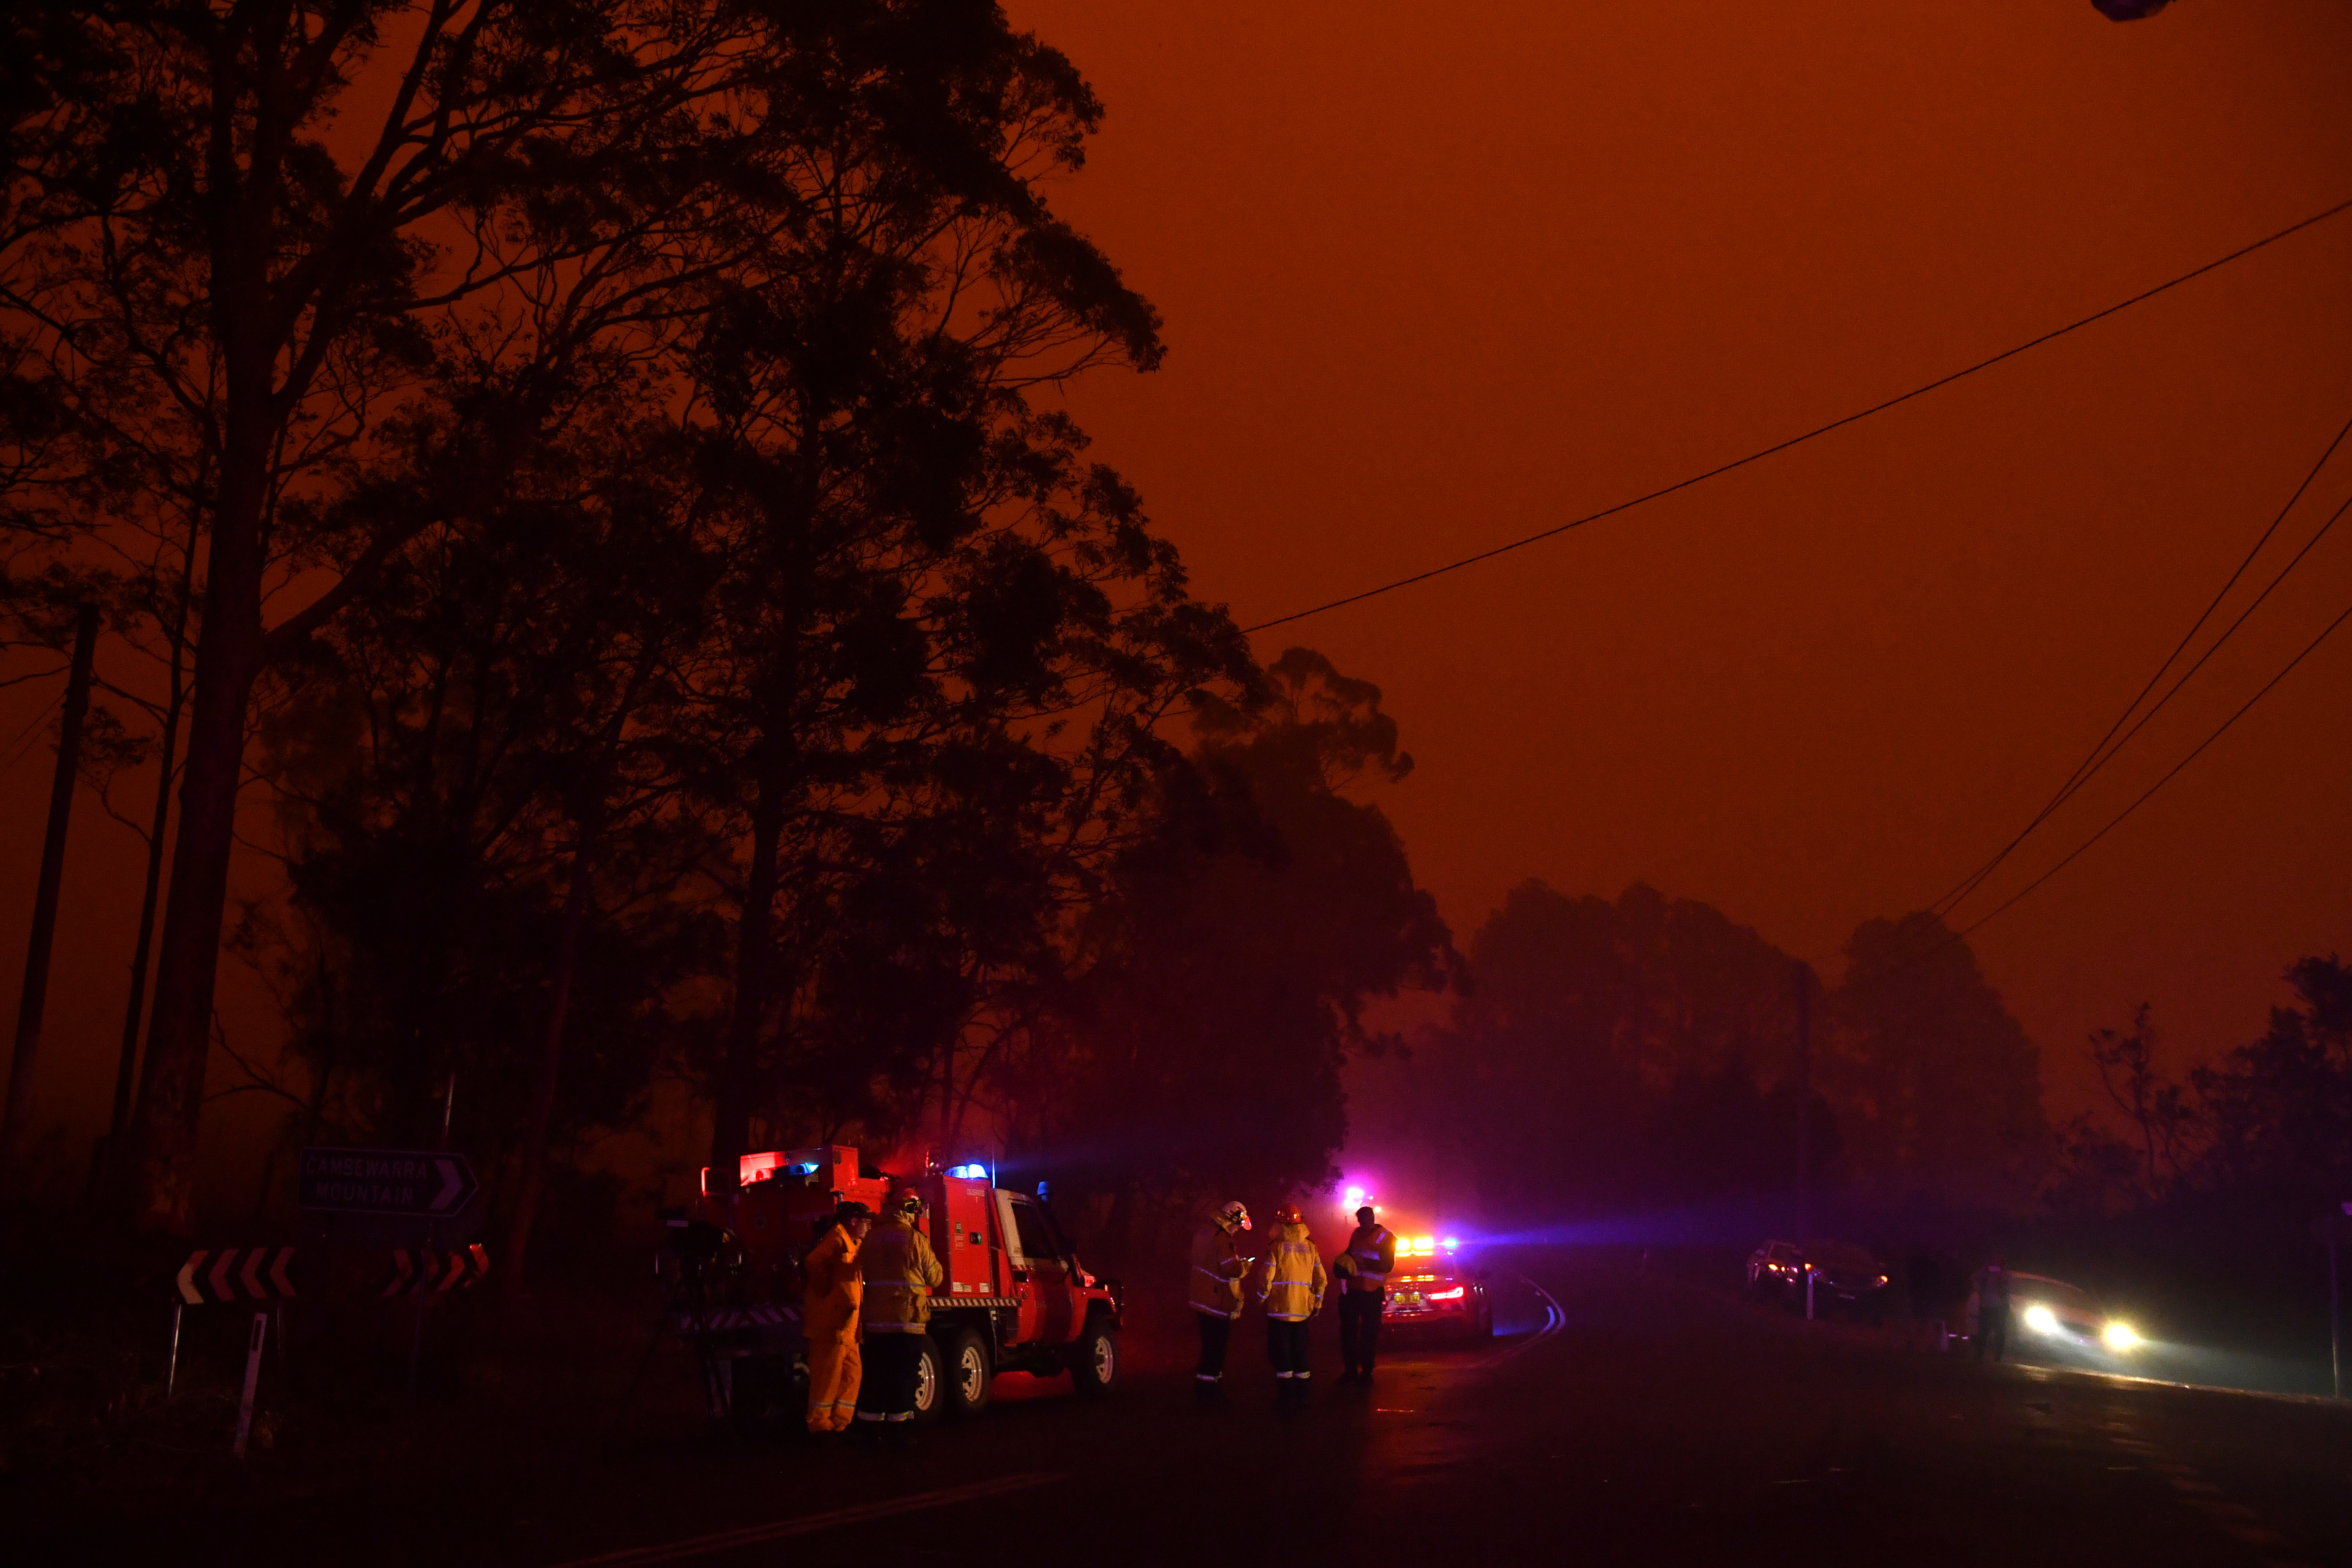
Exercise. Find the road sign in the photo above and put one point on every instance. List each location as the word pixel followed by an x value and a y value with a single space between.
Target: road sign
pixel 424 1184
pixel 429 1270
pixel 236 1274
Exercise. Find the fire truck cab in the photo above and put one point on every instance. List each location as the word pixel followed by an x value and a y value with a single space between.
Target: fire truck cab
pixel 1014 1297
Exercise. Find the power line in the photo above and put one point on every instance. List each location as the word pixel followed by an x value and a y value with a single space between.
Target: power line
pixel 2116 821
pixel 1810 435
pixel 2101 753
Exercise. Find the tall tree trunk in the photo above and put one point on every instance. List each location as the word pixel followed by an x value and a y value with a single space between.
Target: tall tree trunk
pixel 730 1130
pixel 531 1177
pixel 17 1121
pixel 158 1187
pixel 150 897
pixel 531 1180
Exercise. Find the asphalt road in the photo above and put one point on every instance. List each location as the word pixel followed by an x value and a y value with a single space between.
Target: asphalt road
pixel 1614 1419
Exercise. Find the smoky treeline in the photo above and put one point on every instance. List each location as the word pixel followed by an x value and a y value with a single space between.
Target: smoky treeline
pixel 584 488
pixel 2243 1150
pixel 1641 1055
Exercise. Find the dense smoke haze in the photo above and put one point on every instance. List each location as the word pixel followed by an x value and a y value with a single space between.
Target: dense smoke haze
pixel 748 566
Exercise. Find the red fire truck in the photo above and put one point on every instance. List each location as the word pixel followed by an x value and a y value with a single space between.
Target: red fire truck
pixel 1014 1299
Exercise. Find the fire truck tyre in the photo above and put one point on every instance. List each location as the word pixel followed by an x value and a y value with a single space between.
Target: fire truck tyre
pixel 1094 1361
pixel 967 1371
pixel 930 1380
pixel 757 1387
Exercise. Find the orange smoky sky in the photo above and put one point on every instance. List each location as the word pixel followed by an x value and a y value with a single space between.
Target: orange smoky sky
pixel 1436 277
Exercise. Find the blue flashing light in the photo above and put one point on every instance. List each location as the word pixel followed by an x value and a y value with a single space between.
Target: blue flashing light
pixel 1452 1243
pixel 969 1172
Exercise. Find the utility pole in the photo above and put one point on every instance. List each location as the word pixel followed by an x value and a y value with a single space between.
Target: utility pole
pixel 1804 1101
pixel 2334 1224
pixel 1804 977
pixel 35 993
pixel 2335 1318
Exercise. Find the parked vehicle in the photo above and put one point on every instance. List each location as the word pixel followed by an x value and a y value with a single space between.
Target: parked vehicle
pixel 1015 1298
pixel 1846 1280
pixel 1438 1292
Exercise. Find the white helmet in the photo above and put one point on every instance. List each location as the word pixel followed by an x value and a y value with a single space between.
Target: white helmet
pixel 1234 1216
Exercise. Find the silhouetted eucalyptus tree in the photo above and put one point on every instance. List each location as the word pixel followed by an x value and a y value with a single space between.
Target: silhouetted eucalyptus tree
pixel 1224 977
pixel 365 257
pixel 945 638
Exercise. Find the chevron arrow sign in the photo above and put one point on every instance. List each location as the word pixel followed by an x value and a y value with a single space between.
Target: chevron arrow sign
pixel 429 1270
pixel 236 1274
pixel 427 1183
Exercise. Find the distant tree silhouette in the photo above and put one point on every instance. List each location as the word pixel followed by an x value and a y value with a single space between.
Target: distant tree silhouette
pixel 2274 1116
pixel 1937 1087
pixel 1223 980
pixel 1633 1053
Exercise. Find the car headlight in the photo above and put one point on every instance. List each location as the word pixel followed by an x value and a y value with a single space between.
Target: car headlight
pixel 2120 1336
pixel 2041 1320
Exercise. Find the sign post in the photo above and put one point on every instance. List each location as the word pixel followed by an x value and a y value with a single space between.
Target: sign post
pixel 2334 1308
pixel 2328 1231
pixel 252 1377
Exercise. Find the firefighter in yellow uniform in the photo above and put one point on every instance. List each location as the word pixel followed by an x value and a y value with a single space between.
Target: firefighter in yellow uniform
pixel 829 1319
pixel 900 1272
pixel 1218 1267
pixel 1293 1295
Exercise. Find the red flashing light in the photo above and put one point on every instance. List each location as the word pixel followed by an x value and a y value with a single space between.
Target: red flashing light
pixel 1452 1294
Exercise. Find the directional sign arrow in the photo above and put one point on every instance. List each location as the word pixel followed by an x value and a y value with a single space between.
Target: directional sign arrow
pixel 457 1183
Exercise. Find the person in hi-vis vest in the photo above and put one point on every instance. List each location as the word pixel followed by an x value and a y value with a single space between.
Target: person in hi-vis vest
pixel 1363 1271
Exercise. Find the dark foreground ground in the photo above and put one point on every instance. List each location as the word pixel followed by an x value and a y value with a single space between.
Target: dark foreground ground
pixel 1614 1420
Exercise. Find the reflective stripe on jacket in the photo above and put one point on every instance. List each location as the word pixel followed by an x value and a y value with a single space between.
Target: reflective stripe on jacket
pixel 1374 1250
pixel 1217 1270
pixel 1294 1276
pixel 901 1271
pixel 829 1301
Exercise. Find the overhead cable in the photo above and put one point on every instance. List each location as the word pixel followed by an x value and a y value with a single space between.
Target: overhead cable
pixel 2116 821
pixel 1778 446
pixel 2102 752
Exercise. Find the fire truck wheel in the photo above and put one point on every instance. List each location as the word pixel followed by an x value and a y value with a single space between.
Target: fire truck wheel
pixel 1094 1361
pixel 968 1371
pixel 930 1379
pixel 757 1387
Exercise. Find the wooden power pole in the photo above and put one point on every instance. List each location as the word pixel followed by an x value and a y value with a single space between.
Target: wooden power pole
pixel 1804 1101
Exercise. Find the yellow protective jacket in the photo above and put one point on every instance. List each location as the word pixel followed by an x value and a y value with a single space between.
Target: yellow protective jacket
pixel 1374 1250
pixel 1344 1276
pixel 1217 1270
pixel 901 1271
pixel 829 1301
pixel 1294 1276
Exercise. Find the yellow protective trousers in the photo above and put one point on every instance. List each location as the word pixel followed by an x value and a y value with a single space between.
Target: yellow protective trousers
pixel 835 1368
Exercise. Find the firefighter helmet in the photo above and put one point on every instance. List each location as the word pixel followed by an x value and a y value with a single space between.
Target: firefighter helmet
pixel 908 1204
pixel 1288 1215
pixel 1234 1216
